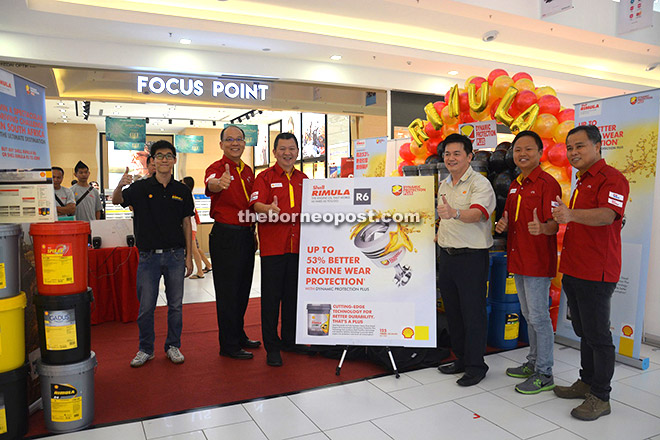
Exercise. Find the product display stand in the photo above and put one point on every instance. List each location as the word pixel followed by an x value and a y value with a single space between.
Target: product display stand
pixel 389 353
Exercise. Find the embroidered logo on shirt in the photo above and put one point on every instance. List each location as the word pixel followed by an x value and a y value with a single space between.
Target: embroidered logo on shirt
pixel 177 198
pixel 276 185
pixel 615 203
pixel 554 204
pixel 513 190
pixel 151 196
pixel 254 196
pixel 616 196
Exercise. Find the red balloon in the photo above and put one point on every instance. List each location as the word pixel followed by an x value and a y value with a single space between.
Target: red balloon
pixel 523 100
pixel 496 74
pixel 557 155
pixel 549 104
pixel 477 80
pixel 431 131
pixel 439 105
pixel 466 117
pixel 547 144
pixel 405 153
pixel 568 114
pixel 514 112
pixel 521 75
pixel 447 96
pixel 494 106
pixel 432 146
pixel 463 102
pixel 405 163
pixel 569 172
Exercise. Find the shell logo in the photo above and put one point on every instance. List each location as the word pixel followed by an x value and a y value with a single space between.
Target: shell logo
pixel 397 190
pixel 407 332
pixel 633 100
pixel 627 330
pixel 151 196
pixel 42 174
pixel 468 130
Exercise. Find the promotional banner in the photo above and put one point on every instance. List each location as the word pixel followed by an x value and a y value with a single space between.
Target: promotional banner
pixel 189 143
pixel 126 133
pixel 629 127
pixel 367 263
pixel 482 134
pixel 370 157
pixel 552 7
pixel 26 189
pixel 251 133
pixel 633 15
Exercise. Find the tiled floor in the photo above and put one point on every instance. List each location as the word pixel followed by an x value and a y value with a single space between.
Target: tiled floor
pixel 423 404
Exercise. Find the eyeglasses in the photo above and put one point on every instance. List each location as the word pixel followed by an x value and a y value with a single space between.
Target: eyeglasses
pixel 168 156
pixel 232 140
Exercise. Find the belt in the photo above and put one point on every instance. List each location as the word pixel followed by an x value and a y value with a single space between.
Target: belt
pixel 235 227
pixel 162 251
pixel 459 251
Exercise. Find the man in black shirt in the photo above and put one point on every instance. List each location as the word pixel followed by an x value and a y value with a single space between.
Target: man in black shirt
pixel 162 208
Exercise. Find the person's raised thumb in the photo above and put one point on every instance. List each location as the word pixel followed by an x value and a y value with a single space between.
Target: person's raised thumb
pixel 227 168
pixel 444 200
pixel 561 203
pixel 536 217
pixel 505 216
pixel 275 200
pixel 126 172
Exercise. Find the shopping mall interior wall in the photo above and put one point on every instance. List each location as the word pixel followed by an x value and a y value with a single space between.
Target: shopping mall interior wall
pixel 70 143
pixel 406 107
pixel 368 126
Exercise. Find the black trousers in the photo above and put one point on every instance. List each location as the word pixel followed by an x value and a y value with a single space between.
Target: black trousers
pixel 232 255
pixel 279 285
pixel 462 282
pixel 589 304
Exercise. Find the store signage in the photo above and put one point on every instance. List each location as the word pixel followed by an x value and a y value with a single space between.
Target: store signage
pixel 244 90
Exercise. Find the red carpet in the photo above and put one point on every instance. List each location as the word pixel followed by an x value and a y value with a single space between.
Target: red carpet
pixel 205 379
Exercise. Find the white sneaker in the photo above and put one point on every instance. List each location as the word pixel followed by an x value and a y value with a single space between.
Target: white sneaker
pixel 141 358
pixel 174 354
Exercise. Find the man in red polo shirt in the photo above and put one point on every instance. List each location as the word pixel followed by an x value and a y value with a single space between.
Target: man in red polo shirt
pixel 277 193
pixel 231 242
pixel 591 264
pixel 532 257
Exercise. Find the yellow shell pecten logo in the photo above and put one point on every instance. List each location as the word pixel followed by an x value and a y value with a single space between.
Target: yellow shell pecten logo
pixel 627 330
pixel 468 130
pixel 633 100
pixel 397 190
pixel 408 332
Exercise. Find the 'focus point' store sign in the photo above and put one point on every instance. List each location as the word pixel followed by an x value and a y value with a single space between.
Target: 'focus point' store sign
pixel 234 90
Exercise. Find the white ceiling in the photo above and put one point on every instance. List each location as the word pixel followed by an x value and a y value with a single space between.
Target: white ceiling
pixel 387 44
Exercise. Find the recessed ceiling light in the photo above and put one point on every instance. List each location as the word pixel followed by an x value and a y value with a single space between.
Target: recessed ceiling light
pixel 162 129
pixel 117 106
pixel 266 49
pixel 453 72
pixel 185 41
pixel 335 57
pixel 489 36
pixel 65 120
pixel 63 110
pixel 652 66
pixel 60 103
pixel 115 113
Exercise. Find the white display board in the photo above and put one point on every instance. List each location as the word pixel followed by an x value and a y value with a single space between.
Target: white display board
pixel 366 276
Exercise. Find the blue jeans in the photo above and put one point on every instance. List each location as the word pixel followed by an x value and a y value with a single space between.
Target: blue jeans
pixel 533 293
pixel 170 264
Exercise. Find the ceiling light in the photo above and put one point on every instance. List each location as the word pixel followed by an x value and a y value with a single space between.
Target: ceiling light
pixel 63 110
pixel 191 122
pixel 162 129
pixel 60 103
pixel 115 113
pixel 453 72
pixel 239 120
pixel 335 57
pixel 117 106
pixel 489 36
pixel 214 123
pixel 170 121
pixel 652 66
pixel 185 41
pixel 146 120
pixel 66 120
pixel 266 49
pixel 261 111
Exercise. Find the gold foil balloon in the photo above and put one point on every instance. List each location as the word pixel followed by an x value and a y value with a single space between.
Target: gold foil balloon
pixel 433 116
pixel 500 86
pixel 502 113
pixel 545 125
pixel 454 103
pixel 478 103
pixel 525 120
pixel 416 129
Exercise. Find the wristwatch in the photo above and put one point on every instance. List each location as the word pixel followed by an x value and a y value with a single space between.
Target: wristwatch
pixel 458 214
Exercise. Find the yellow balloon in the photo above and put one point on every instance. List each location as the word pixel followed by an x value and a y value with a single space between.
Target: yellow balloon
pixel 525 120
pixel 545 125
pixel 545 90
pixel 500 86
pixel 502 113
pixel 446 118
pixel 433 116
pixel 562 129
pixel 478 104
pixel 482 116
pixel 556 172
pixel 525 84
pixel 453 104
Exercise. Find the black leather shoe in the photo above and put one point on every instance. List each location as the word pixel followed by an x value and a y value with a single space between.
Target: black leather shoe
pixel 249 343
pixel 274 359
pixel 452 368
pixel 468 380
pixel 240 354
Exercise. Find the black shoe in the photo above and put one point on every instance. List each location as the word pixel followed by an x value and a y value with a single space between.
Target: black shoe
pixel 249 343
pixel 452 368
pixel 274 359
pixel 240 354
pixel 468 380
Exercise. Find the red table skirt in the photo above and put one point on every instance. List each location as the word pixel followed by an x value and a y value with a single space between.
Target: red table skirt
pixel 112 277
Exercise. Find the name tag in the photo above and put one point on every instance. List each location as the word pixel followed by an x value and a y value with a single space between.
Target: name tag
pixel 513 190
pixel 554 204
pixel 209 178
pixel 254 196
pixel 276 185
pixel 615 202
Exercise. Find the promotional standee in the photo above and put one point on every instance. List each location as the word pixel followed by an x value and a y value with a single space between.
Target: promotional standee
pixel 367 263
pixel 629 126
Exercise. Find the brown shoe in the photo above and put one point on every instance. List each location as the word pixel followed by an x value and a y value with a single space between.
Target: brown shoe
pixel 578 390
pixel 591 408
